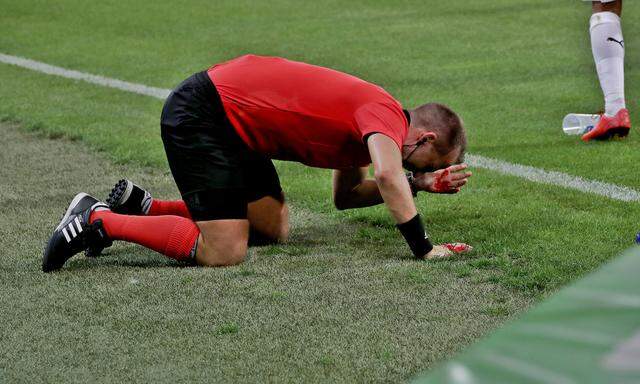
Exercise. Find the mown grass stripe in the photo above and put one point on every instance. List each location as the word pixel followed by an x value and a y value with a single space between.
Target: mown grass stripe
pixel 526 172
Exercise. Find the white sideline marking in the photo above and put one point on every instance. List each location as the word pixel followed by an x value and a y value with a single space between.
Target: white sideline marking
pixel 89 78
pixel 537 175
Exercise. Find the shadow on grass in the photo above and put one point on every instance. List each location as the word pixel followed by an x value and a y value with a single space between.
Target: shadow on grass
pixel 130 256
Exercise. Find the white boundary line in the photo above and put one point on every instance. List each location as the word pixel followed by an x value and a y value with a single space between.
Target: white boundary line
pixel 537 175
pixel 560 179
pixel 140 89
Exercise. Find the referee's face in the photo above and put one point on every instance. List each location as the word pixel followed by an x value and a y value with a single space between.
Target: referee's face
pixel 427 159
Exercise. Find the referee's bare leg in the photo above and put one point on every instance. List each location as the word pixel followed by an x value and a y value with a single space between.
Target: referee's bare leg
pixel 269 220
pixel 222 242
pixel 225 242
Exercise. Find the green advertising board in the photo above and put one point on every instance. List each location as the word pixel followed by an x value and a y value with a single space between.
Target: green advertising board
pixel 589 332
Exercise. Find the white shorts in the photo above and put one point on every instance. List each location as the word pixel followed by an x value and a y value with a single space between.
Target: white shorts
pixel 602 1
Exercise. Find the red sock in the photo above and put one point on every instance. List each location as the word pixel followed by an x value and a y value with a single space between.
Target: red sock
pixel 173 236
pixel 168 207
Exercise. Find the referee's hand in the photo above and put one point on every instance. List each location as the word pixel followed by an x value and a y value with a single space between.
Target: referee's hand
pixel 438 252
pixel 447 180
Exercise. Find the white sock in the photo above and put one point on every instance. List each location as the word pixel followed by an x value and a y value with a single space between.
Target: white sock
pixel 607 46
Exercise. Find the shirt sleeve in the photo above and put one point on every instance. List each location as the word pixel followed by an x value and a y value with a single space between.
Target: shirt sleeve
pixel 384 118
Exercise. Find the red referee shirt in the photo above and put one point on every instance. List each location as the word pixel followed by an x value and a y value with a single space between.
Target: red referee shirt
pixel 289 110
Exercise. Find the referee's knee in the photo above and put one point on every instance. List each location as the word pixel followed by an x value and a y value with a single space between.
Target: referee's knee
pixel 280 231
pixel 221 258
pixel 218 247
pixel 273 235
pixel 282 234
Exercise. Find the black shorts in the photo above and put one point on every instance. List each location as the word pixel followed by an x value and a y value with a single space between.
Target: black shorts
pixel 216 173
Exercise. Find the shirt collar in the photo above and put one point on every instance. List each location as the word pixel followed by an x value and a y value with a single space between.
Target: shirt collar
pixel 407 115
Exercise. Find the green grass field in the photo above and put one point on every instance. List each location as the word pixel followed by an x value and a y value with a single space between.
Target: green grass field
pixel 343 301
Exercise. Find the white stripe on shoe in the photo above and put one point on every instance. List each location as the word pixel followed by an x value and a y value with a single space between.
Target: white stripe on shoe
pixel 146 203
pixel 72 229
pixel 66 235
pixel 78 224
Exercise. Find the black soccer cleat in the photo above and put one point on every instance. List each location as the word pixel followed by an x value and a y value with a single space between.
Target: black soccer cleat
pixel 129 199
pixel 74 234
pixel 93 251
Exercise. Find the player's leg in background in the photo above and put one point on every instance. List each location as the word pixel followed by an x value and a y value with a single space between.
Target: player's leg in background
pixel 607 45
pixel 614 6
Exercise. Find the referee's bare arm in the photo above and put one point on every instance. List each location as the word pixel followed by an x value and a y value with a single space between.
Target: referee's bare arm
pixel 390 177
pixel 353 189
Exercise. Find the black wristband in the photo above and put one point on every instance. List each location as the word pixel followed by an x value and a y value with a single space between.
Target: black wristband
pixel 415 235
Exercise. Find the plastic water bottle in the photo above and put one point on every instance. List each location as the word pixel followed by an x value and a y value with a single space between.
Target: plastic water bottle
pixel 638 238
pixel 579 124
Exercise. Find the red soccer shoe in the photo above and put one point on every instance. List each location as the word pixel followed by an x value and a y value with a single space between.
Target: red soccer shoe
pixel 608 127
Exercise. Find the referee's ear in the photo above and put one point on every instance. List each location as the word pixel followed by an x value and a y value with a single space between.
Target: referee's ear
pixel 429 136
